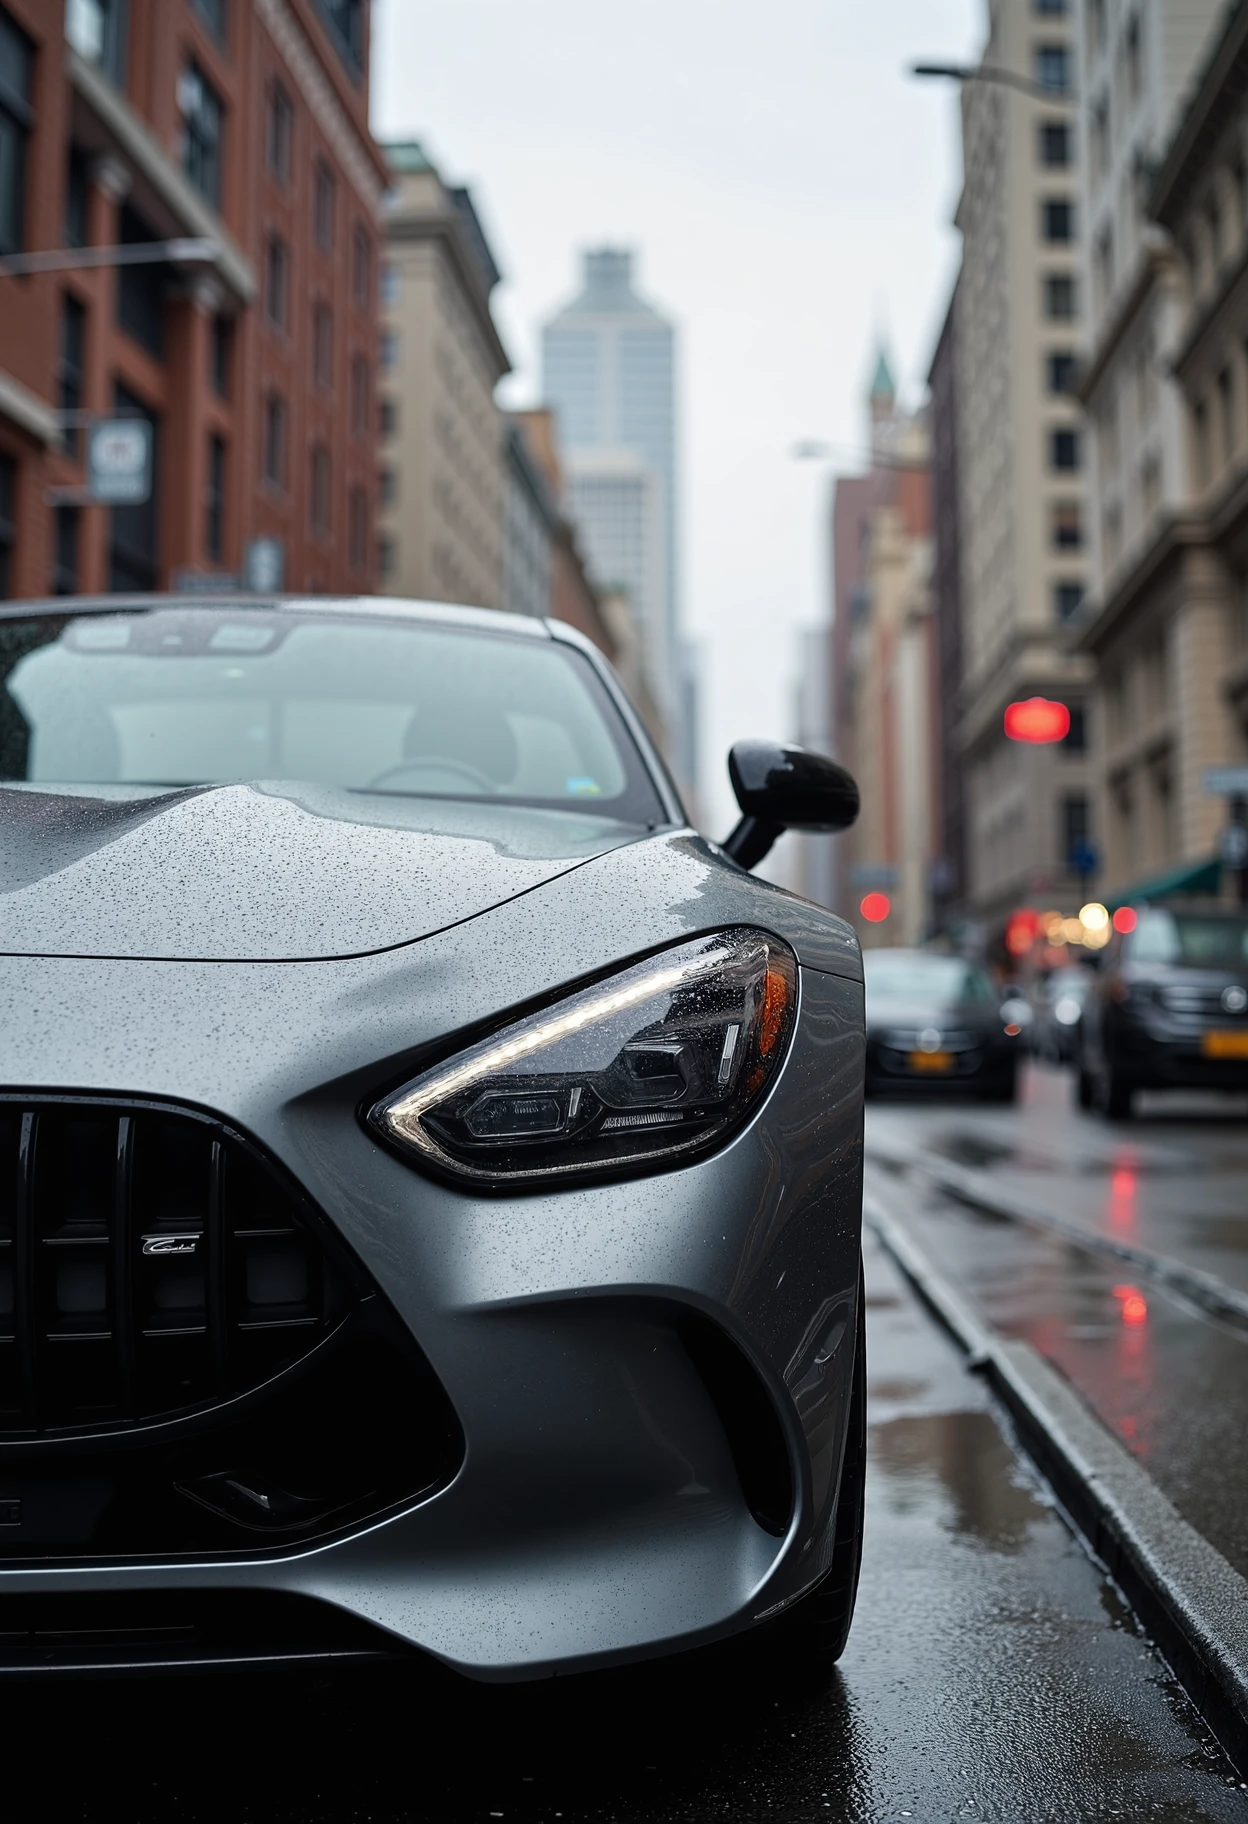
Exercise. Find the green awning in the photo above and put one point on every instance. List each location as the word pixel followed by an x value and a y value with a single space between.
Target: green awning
pixel 1195 877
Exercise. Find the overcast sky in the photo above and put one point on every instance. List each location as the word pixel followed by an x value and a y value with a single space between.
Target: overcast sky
pixel 789 192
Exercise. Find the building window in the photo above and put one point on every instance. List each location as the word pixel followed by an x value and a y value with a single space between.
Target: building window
pixel 7 489
pixel 1226 414
pixel 1103 264
pixel 1067 600
pixel 274 464
pixel 214 15
pixel 388 483
pixel 1061 370
pixel 141 290
pixel 1075 740
pixel 1067 525
pixel 359 397
pixel 361 267
pixel 357 532
pixel 16 120
pixel 1052 67
pixel 1076 828
pixel 214 501
pixel 1096 25
pixel 319 492
pixel 389 285
pixel 1057 219
pixel 134 531
pixel 389 352
pixel 389 417
pixel 1054 144
pixel 220 351
pixel 97 31
pixel 1200 440
pixel 69 370
pixel 1064 450
pixel 1059 297
pixel 65 551
pixel 279 132
pixel 344 20
pixel 1052 9
pixel 77 189
pixel 202 120
pixel 277 282
pixel 322 345
pixel 1133 55
pixel 324 206
pixel 387 557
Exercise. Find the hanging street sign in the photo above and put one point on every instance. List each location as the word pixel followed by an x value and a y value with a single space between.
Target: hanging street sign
pixel 119 462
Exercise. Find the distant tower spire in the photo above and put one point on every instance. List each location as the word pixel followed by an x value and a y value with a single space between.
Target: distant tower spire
pixel 883 394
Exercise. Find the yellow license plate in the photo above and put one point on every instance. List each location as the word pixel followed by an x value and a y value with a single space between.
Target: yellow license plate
pixel 931 1060
pixel 1225 1044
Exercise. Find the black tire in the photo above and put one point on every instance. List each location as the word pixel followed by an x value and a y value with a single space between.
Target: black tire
pixel 1117 1092
pixel 817 1626
pixel 1085 1089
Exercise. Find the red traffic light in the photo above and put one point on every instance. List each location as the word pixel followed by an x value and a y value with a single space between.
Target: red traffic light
pixel 876 907
pixel 1037 721
pixel 1125 920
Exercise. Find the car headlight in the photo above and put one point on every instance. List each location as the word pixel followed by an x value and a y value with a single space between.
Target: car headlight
pixel 656 1063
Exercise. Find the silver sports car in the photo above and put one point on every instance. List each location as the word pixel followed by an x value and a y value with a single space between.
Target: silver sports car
pixel 430 1172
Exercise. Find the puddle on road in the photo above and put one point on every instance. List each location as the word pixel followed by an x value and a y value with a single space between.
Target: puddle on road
pixel 961 1462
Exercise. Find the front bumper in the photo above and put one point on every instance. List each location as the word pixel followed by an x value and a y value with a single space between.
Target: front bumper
pixel 602 1506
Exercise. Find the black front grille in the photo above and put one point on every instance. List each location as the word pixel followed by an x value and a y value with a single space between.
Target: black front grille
pixel 190 1358
pixel 150 1262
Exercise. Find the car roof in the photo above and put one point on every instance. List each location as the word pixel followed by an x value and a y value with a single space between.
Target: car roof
pixel 445 614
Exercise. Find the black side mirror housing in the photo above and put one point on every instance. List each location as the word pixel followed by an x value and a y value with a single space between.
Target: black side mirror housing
pixel 785 788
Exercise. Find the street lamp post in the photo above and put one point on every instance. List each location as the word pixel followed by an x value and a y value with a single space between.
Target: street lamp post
pixel 994 73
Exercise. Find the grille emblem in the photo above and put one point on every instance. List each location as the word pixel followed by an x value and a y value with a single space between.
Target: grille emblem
pixel 1234 999
pixel 171 1244
pixel 10 1513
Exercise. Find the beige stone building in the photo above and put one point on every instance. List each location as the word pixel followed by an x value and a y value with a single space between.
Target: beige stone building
pixel 444 463
pixel 1020 481
pixel 1164 382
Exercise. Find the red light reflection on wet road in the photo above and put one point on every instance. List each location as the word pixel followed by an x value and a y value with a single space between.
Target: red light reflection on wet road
pixel 1124 1183
pixel 1133 1304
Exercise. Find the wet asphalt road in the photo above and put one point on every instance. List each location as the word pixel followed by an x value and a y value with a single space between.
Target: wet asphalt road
pixel 1171 1381
pixel 993 1673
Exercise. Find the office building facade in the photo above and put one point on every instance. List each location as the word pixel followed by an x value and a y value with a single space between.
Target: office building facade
pixel 608 370
pixel 444 456
pixel 1020 454
pixel 1152 621
pixel 242 129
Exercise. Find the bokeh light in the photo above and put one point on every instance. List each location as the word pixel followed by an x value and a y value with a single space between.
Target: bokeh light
pixel 876 907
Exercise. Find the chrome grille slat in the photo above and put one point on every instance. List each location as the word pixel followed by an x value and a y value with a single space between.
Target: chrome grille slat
pixel 108 1332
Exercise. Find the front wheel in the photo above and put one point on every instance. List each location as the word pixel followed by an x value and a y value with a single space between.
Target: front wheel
pixel 1005 1089
pixel 818 1624
pixel 1085 1089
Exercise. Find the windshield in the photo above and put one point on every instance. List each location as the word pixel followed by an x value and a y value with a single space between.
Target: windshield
pixel 943 980
pixel 1209 942
pixel 207 695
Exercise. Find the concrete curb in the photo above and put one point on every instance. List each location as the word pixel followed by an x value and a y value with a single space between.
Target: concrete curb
pixel 1193 1603
pixel 982 1191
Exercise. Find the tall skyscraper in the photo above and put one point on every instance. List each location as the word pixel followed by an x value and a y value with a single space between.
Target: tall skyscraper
pixel 608 361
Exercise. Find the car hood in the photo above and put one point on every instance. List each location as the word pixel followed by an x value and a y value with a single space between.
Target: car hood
pixel 266 872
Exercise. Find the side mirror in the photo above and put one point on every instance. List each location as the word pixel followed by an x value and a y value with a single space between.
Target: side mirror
pixel 785 788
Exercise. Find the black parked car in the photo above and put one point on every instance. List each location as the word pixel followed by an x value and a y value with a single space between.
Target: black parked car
pixel 938 1020
pixel 1170 1010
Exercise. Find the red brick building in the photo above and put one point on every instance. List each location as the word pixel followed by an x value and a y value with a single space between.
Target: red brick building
pixel 242 123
